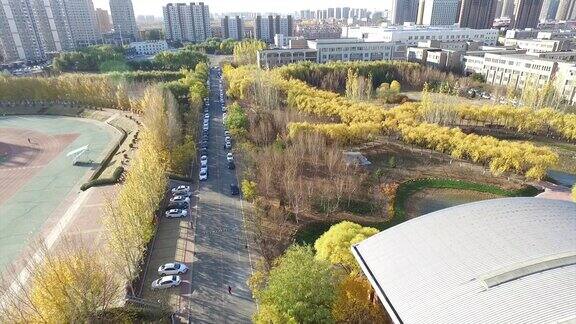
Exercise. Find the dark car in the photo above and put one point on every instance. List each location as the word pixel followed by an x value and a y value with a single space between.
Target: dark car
pixel 231 166
pixel 234 190
pixel 177 205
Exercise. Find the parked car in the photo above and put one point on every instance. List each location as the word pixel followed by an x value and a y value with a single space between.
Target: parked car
pixel 166 282
pixel 234 190
pixel 227 133
pixel 180 189
pixel 176 213
pixel 227 145
pixel 180 198
pixel 203 175
pixel 224 109
pixel 172 268
pixel 229 157
pixel 178 205
pixel 231 166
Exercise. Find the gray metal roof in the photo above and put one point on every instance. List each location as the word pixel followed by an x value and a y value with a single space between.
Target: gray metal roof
pixel 510 260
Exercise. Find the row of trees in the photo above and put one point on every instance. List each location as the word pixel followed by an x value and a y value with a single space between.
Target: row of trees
pixel 215 45
pixel 90 89
pixel 107 58
pixel 245 51
pixel 323 287
pixel 359 121
pixel 332 76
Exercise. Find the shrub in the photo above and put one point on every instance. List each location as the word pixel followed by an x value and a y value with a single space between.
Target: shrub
pixel 104 181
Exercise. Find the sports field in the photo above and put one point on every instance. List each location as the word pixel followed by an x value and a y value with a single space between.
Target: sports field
pixel 36 176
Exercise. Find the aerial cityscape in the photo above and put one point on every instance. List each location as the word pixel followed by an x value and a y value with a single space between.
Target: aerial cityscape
pixel 403 161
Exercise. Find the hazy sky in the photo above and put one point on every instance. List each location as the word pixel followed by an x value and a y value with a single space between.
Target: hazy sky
pixel 154 7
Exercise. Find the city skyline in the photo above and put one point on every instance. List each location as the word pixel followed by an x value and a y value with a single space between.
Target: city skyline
pixel 143 7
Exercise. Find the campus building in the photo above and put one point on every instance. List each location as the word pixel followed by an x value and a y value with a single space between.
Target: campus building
pixel 510 260
pixel 149 47
pixel 411 35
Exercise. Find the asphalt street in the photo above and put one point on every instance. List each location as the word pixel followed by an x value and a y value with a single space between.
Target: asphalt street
pixel 221 258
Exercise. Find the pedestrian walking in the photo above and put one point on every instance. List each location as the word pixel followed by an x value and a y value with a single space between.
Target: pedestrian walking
pixel 230 290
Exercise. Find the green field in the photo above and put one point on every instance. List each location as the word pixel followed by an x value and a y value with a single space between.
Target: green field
pixel 25 212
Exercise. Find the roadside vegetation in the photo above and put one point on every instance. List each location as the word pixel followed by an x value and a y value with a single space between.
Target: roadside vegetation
pixel 298 127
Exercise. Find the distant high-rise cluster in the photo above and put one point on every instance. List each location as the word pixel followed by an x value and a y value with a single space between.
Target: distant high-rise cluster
pixel 187 22
pixel 266 27
pixel 30 29
pixel 233 27
pixel 123 19
pixel 338 13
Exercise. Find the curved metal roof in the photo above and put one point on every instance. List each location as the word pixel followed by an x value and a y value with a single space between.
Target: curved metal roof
pixel 510 260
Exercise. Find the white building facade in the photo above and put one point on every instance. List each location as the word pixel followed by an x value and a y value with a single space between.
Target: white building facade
pixel 123 19
pixel 411 35
pixel 149 47
pixel 351 49
pixel 187 23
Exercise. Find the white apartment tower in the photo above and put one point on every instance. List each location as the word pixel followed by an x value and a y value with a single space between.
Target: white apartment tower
pixel 266 27
pixel 187 23
pixel 19 33
pixel 123 19
pixel 233 27
pixel 440 12
pixel 82 21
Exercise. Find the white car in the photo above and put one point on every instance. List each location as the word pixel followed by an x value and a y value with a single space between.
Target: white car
pixel 224 109
pixel 203 175
pixel 181 189
pixel 166 282
pixel 227 139
pixel 203 160
pixel 229 157
pixel 180 198
pixel 206 116
pixel 227 133
pixel 172 268
pixel 176 213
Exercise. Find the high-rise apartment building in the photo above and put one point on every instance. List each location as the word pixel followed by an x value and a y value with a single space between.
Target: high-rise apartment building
pixel 331 13
pixel 19 32
pixel 440 12
pixel 82 21
pixel 338 13
pixel 566 10
pixel 526 14
pixel 345 12
pixel 549 9
pixel 187 23
pixel 404 11
pixel 123 19
pixel 232 27
pixel 507 8
pixel 477 14
pixel 266 27
pixel 103 19
pixel 53 26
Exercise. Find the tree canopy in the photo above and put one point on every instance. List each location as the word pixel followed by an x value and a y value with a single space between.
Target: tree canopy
pixel 334 245
pixel 300 289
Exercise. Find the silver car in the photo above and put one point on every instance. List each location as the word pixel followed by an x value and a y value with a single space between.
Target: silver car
pixel 166 282
pixel 172 268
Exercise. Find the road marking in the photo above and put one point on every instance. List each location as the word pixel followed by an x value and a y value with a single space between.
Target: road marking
pixel 23 168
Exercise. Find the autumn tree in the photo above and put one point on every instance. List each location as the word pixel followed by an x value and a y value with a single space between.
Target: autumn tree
pixel 574 192
pixel 335 244
pixel 245 51
pixel 299 289
pixel 354 302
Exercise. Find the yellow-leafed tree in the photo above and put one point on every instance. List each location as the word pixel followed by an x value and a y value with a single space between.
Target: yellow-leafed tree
pixel 334 245
pixel 353 303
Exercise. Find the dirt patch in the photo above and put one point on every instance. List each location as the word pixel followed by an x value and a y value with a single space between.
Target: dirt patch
pixel 25 153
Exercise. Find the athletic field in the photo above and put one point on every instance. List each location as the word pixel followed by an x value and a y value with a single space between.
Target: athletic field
pixel 37 179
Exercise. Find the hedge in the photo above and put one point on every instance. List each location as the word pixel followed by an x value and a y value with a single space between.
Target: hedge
pixel 104 181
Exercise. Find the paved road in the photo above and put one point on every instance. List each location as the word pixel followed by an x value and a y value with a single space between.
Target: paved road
pixel 221 257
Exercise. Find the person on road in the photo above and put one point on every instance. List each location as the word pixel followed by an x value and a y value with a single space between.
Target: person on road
pixel 230 290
